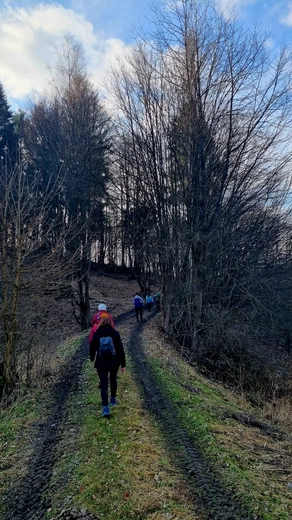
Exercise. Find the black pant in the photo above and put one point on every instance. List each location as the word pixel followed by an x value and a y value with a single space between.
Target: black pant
pixel 139 312
pixel 103 377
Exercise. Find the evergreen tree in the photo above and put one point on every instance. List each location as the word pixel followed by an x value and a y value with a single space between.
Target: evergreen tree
pixel 8 138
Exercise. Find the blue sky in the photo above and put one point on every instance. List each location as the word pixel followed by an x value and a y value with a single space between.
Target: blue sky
pixel 31 30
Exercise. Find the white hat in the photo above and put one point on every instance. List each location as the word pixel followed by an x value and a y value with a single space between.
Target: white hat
pixel 102 307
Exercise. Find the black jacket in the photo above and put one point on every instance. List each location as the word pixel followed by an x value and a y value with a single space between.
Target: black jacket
pixel 114 361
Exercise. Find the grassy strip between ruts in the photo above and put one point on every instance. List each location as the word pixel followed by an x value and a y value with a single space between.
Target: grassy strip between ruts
pixel 117 468
pixel 256 464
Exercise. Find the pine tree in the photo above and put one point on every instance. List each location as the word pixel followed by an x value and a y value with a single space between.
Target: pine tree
pixel 8 138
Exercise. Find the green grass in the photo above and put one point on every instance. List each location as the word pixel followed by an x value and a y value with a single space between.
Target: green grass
pixel 244 458
pixel 16 421
pixel 68 348
pixel 121 470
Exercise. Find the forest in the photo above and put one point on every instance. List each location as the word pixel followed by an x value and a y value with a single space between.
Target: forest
pixel 181 179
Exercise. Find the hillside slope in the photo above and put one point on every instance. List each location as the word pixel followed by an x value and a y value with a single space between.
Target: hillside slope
pixel 177 446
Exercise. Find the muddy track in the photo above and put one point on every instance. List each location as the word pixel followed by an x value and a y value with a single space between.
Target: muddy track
pixel 211 500
pixel 27 498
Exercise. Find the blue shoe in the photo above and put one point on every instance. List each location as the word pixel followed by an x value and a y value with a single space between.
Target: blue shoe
pixel 113 401
pixel 106 411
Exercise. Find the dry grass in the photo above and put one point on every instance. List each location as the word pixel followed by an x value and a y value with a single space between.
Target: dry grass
pixel 279 411
pixel 116 293
pixel 16 444
pixel 257 461
pixel 119 468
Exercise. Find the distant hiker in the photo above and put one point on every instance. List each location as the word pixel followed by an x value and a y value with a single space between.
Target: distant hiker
pixel 98 316
pixel 138 304
pixel 149 302
pixel 158 300
pixel 107 351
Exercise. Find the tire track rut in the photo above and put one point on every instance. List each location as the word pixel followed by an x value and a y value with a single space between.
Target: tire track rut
pixel 27 498
pixel 211 499
pixel 29 501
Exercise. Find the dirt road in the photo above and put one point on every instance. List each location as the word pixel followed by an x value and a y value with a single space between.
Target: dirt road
pixel 27 499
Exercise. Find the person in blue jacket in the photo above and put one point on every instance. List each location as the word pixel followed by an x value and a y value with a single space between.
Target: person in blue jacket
pixel 107 367
pixel 149 302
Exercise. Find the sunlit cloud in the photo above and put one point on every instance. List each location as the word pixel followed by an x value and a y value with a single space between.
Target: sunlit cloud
pixel 29 39
pixel 287 18
pixel 231 8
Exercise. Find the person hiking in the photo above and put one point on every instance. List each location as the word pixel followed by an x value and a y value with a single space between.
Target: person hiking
pixel 138 304
pixel 158 300
pixel 98 316
pixel 149 302
pixel 106 350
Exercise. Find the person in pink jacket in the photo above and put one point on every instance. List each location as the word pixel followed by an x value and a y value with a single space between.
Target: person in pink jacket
pixel 98 316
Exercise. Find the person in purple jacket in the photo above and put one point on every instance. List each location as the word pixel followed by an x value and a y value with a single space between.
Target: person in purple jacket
pixel 138 305
pixel 107 364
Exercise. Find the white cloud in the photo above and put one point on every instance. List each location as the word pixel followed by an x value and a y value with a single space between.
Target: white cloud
pixel 102 57
pixel 287 19
pixel 28 42
pixel 232 7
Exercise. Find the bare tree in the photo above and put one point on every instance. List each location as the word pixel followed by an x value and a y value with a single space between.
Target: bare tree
pixel 27 268
pixel 206 113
